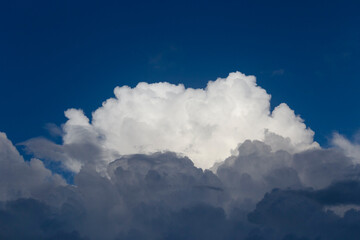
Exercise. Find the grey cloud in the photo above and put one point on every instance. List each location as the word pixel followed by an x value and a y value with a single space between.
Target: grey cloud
pixel 339 193
pixel 164 196
pixel 301 214
pixel 54 130
pixel 71 156
pixel 23 179
pixel 32 219
pixel 319 168
pixel 257 169
pixel 139 192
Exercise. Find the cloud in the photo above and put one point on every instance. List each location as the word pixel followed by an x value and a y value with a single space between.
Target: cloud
pixel 140 171
pixel 203 124
pixel 351 149
pixel 257 169
pixel 23 179
pixel 319 168
pixel 302 214
pixel 32 219
pixel 72 156
pixel 165 196
pixel 278 72
pixel 138 193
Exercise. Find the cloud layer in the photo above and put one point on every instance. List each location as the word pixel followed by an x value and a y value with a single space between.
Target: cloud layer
pixel 164 196
pixel 271 181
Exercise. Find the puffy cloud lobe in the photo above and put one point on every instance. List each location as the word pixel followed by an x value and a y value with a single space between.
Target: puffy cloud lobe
pixel 162 173
pixel 256 169
pixel 203 124
pixel 137 191
pixel 319 168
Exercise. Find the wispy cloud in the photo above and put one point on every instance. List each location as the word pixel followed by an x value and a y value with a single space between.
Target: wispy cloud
pixel 278 72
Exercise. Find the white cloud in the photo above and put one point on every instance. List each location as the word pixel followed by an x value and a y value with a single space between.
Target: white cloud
pixel 351 149
pixel 203 124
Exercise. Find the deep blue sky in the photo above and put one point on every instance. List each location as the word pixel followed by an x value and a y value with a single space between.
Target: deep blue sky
pixel 60 54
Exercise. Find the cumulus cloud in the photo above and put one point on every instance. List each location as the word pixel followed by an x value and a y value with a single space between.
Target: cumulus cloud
pixel 140 171
pixel 165 196
pixel 203 124
pixel 138 193
pixel 257 169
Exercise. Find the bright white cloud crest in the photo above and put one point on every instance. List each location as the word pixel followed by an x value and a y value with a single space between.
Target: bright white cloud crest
pixel 203 124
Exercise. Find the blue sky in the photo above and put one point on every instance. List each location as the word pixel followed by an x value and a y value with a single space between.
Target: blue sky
pixel 56 55
pixel 163 161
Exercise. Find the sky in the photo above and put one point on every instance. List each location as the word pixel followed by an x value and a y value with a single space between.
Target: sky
pixel 179 120
pixel 56 56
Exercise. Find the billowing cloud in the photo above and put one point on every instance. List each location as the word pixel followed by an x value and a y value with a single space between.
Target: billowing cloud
pixel 203 124
pixel 164 196
pixel 270 180
pixel 256 169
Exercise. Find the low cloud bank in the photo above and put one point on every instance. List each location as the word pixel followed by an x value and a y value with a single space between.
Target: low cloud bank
pixel 164 196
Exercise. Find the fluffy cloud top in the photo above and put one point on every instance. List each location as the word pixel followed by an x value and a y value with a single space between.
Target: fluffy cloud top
pixel 272 182
pixel 203 124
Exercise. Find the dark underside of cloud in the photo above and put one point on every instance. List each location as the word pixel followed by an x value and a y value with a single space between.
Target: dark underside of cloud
pixel 257 194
